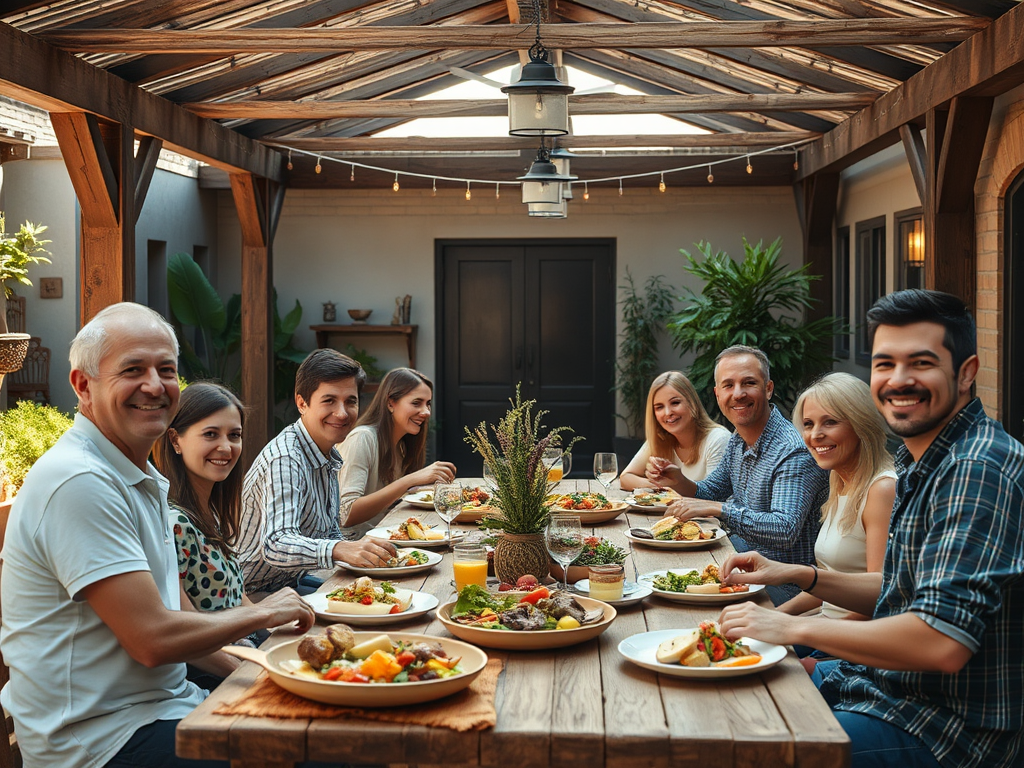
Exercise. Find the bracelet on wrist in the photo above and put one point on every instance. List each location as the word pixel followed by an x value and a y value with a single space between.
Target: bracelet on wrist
pixel 814 581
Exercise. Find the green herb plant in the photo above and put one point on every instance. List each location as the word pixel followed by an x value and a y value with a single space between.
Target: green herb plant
pixel 519 471
pixel 18 252
pixel 27 431
pixel 643 318
pixel 757 302
pixel 599 551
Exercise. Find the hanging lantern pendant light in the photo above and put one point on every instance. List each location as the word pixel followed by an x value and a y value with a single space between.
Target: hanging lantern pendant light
pixel 543 182
pixel 538 103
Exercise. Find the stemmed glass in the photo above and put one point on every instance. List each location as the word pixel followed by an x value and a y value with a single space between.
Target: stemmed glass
pixel 606 468
pixel 489 479
pixel 564 540
pixel 448 503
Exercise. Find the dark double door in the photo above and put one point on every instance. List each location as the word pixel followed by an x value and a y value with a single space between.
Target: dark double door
pixel 539 312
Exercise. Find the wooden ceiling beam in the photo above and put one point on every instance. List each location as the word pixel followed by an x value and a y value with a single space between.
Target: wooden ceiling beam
pixel 990 63
pixel 588 104
pixel 38 74
pixel 724 34
pixel 500 143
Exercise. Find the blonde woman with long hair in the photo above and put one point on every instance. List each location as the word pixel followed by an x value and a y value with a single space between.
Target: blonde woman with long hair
pixel 846 435
pixel 679 432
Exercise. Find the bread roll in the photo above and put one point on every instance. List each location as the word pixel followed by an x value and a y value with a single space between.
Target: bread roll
pixel 672 651
pixel 696 659
pixel 665 524
pixel 704 589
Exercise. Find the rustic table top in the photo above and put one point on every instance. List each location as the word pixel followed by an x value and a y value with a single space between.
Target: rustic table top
pixel 578 707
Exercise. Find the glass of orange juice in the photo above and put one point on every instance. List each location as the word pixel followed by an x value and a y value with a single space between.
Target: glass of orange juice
pixel 469 562
pixel 557 462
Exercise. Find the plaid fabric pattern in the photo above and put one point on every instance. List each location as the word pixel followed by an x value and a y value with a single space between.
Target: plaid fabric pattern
pixel 289 522
pixel 956 560
pixel 772 493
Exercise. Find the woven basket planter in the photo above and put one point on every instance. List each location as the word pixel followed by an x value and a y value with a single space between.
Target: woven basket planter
pixel 13 348
pixel 518 554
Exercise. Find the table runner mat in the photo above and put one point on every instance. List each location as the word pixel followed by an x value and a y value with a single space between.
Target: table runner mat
pixel 469 710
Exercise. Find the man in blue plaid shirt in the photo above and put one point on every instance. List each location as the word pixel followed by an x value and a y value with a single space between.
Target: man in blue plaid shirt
pixel 936 677
pixel 767 490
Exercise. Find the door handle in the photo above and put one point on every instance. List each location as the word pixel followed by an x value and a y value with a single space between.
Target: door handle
pixel 519 358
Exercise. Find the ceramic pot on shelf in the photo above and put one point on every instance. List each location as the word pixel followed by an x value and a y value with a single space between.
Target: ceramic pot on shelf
pixel 517 554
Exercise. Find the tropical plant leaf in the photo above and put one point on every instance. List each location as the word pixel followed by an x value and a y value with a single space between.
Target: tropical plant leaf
pixel 193 300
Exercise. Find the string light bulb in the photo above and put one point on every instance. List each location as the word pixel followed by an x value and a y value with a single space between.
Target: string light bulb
pixel 620 187
pixel 395 185
pixel 433 188
pixel 586 192
pixel 796 160
pixel 469 194
pixel 661 184
pixel 711 176
pixel 318 166
pixel 352 173
pixel 497 191
pixel 290 165
pixel 750 168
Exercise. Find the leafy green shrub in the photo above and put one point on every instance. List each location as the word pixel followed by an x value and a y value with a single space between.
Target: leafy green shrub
pixel 27 431
pixel 746 303
pixel 643 316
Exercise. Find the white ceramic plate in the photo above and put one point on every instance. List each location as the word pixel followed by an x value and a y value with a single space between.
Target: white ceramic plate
pixel 421 603
pixel 433 558
pixel 640 649
pixel 538 640
pixel 632 592
pixel 361 694
pixel 419 499
pixel 694 598
pixel 385 534
pixel 720 534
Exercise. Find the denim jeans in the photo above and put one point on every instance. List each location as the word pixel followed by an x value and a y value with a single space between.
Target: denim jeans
pixel 874 743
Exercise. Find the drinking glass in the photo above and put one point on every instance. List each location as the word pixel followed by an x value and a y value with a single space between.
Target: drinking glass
pixel 564 540
pixel 606 468
pixel 448 503
pixel 558 463
pixel 469 564
pixel 489 479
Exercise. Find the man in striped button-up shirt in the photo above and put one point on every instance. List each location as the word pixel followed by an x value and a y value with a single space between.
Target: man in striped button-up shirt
pixel 290 505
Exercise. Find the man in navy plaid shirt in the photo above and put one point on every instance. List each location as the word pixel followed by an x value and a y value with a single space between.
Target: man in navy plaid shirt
pixel 935 678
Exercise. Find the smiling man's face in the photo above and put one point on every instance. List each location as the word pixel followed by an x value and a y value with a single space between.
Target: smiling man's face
pixel 914 384
pixel 742 392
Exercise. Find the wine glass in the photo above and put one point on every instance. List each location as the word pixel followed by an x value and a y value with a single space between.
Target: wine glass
pixel 489 478
pixel 564 540
pixel 606 468
pixel 448 503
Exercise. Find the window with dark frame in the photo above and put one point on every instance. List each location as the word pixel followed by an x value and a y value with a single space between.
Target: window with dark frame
pixel 870 263
pixel 910 248
pixel 841 285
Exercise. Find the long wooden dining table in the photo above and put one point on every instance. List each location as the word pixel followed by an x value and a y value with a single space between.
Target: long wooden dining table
pixel 584 706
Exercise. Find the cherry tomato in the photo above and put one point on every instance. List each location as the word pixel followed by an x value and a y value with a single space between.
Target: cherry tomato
pixel 333 673
pixel 717 649
pixel 405 658
pixel 367 600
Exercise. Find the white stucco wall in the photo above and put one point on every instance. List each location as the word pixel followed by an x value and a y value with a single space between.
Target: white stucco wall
pixel 362 248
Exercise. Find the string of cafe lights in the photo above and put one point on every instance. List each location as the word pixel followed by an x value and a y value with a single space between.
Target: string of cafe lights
pixel 498 183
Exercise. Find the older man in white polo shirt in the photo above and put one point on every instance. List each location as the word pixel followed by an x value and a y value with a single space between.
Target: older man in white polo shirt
pixel 93 629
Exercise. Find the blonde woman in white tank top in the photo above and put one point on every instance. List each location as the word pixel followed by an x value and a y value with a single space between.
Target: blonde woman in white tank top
pixel 846 435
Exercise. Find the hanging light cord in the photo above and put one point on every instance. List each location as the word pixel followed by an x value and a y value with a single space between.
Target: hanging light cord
pixel 537 51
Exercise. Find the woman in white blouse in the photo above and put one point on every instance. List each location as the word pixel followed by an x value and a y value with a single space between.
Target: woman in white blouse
pixel 384 455
pixel 679 431
pixel 846 435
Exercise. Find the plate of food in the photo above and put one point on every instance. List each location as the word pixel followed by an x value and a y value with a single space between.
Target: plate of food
pixel 652 499
pixel 591 507
pixel 524 621
pixel 670 533
pixel 413 532
pixel 632 592
pixel 476 502
pixel 363 603
pixel 405 563
pixel 701 652
pixel 697 587
pixel 335 666
pixel 422 499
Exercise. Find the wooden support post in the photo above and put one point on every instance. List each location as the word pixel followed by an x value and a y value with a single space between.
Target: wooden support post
pixel 145 165
pixel 820 196
pixel 258 203
pixel 100 158
pixel 956 139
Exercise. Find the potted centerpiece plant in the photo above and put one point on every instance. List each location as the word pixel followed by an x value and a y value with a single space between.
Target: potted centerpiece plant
pixel 27 431
pixel 521 486
pixel 17 253
pixel 596 551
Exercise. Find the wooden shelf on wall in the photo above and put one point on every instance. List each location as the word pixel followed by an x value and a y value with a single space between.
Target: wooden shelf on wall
pixel 324 332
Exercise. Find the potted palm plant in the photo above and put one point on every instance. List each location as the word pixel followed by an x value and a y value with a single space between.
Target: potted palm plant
pixel 17 253
pixel 521 486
